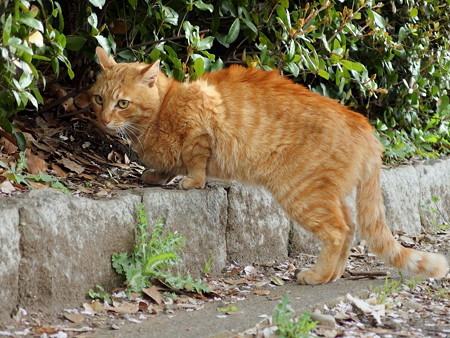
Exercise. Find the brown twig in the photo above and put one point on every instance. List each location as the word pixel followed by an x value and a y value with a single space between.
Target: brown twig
pixel 57 102
pixel 368 273
pixel 79 111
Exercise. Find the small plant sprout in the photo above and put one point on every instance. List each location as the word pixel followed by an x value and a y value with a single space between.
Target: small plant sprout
pixel 289 325
pixel 389 287
pixel 208 265
pixel 155 252
pixel 99 293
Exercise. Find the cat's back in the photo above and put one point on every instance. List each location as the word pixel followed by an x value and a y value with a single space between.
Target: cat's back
pixel 253 78
pixel 275 98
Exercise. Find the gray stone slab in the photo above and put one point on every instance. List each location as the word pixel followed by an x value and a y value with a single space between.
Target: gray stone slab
pixel 401 198
pixel 9 261
pixel 54 247
pixel 198 215
pixel 67 243
pixel 434 183
pixel 258 229
pixel 302 242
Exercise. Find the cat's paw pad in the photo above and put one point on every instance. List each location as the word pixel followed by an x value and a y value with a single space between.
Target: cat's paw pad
pixel 191 183
pixel 309 277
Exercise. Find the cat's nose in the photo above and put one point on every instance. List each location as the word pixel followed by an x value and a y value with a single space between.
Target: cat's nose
pixel 104 122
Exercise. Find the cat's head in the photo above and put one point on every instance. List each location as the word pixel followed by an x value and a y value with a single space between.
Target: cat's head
pixel 125 96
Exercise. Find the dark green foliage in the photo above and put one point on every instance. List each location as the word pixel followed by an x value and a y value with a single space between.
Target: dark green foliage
pixel 30 42
pixel 387 60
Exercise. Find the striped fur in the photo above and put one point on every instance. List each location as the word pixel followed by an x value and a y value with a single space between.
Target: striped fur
pixel 260 128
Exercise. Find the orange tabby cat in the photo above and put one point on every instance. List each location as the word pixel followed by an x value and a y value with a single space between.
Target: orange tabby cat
pixel 260 128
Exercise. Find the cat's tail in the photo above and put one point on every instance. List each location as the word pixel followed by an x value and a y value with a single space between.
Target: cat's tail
pixel 371 220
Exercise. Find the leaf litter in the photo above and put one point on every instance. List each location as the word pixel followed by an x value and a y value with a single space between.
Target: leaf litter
pixel 417 308
pixel 73 151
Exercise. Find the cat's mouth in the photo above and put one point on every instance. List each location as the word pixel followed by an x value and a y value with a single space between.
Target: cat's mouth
pixel 108 129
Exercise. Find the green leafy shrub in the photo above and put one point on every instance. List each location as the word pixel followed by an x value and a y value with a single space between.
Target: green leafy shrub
pixel 155 251
pixel 387 60
pixel 29 44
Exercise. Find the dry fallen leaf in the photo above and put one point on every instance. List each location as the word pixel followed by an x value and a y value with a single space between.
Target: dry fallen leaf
pixel 276 280
pixel 36 38
pixel 35 164
pixel 94 307
pixel 262 292
pixel 45 330
pixel 154 294
pixel 7 187
pixel 82 100
pixel 74 317
pixel 59 172
pixel 8 146
pixel 58 92
pixel 71 165
pixel 37 185
pixel 236 281
pixel 124 308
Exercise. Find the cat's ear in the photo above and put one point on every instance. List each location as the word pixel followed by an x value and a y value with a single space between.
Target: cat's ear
pixel 150 74
pixel 105 60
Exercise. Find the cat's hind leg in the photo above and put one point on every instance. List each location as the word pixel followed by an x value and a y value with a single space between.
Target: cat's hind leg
pixel 345 252
pixel 326 219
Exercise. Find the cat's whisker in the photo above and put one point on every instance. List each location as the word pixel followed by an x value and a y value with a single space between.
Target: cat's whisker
pixel 135 132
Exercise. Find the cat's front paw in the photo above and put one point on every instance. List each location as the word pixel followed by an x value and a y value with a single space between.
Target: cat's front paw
pixel 310 277
pixel 191 183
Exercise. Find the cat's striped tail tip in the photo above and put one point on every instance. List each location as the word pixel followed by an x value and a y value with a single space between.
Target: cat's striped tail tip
pixel 426 264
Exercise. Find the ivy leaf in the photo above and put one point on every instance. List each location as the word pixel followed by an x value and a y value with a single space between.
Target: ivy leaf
pixel 199 66
pixel 323 73
pixel 233 33
pixel 33 23
pixel 7 28
pixel 205 43
pixel 98 3
pixel 356 66
pixel 377 18
pixel 203 7
pixel 75 42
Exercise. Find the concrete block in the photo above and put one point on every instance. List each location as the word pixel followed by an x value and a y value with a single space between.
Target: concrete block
pixel 258 229
pixel 67 243
pixel 9 261
pixel 434 182
pixel 302 242
pixel 401 199
pixel 200 216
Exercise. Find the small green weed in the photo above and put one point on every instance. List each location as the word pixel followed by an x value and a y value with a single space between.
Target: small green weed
pixel 154 253
pixel 434 209
pixel 99 293
pixel 288 325
pixel 389 287
pixel 208 265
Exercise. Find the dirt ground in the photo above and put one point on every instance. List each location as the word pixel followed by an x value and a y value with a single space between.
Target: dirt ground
pixel 243 301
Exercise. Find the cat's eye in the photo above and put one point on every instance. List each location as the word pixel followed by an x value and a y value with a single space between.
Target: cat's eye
pixel 98 99
pixel 123 104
